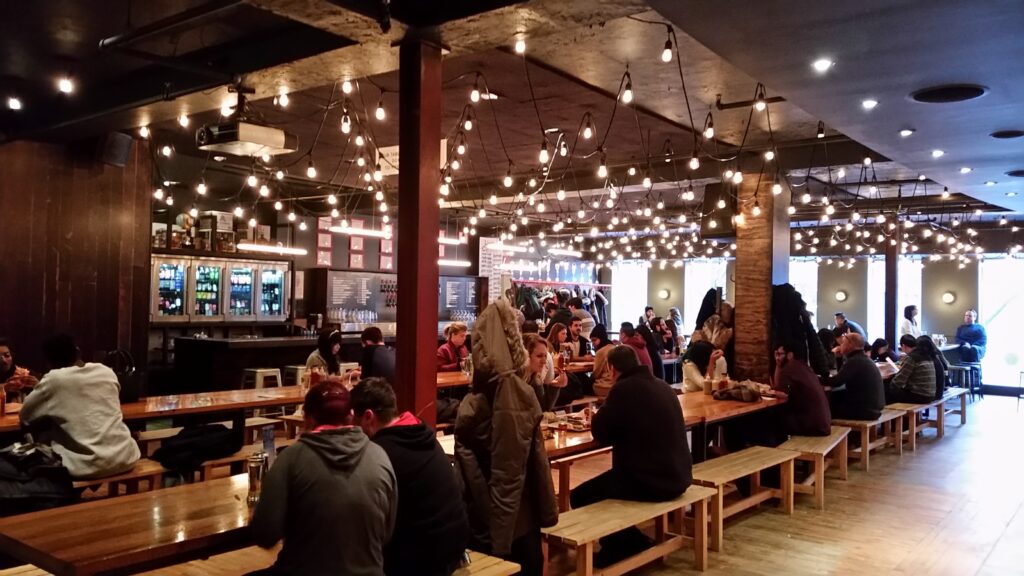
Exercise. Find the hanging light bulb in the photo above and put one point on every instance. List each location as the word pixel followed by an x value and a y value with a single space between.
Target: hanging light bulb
pixel 806 198
pixel 332 199
pixel 945 193
pixel 143 131
pixel 666 53
pixel 201 188
pixel 560 195
pixel 239 212
pixel 769 155
pixel 183 120
pixel 291 216
pixel 335 214
pixel 867 160
pixel 660 205
pixel 627 94
pixel 460 149
pixel 170 200
pixel 467 124
pixel 264 190
pixel 791 210
pixel 631 171
pixel 379 113
pixel 602 169
pixel 367 177
pixel 383 207
pixel 379 196
pixel 444 189
pixel 855 216
pixel 158 193
pixel 166 151
pixel 378 174
pixel 647 182
pixel 721 203
pixel 541 207
pixel 841 173
pixel 759 101
pixel 588 129
pixel 278 205
pixel 520 46
pixel 581 214
pixel 346 123
pixel 709 127
pixel 252 181
pixel 482 213
pixel 279 174
pixel 821 129
pixel 493 199
pixel 360 140
pixel 694 163
pixel 776 188
pixel 456 164
pixel 311 169
pixel 474 94
pixel 757 209
pixel 346 87
pixel 507 181
pixel 193 211
pixel 544 156
pixel 737 178
pixel 302 226
pixel 360 161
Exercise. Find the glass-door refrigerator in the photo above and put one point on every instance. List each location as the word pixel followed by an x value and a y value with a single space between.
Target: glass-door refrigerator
pixel 207 290
pixel 169 296
pixel 273 292
pixel 241 291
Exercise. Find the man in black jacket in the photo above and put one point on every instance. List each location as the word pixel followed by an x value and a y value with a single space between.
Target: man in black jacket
pixel 643 423
pixel 432 530
pixel 857 390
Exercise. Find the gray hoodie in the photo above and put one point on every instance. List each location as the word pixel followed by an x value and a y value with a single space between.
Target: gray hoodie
pixel 332 497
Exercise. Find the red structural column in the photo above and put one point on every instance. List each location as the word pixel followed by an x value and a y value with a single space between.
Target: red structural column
pixel 418 180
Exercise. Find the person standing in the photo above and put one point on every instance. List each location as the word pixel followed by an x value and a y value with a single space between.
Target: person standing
pixel 499 447
pixel 453 351
pixel 651 461
pixel 76 409
pixel 857 390
pixel 332 496
pixel 845 325
pixel 806 411
pixel 431 527
pixel 972 338
pixel 909 323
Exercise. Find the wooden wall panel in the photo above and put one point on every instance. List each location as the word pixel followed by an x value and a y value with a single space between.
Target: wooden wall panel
pixel 74 249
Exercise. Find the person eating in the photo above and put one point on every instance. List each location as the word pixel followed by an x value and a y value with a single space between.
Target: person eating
pixel 806 411
pixel 453 351
pixel 857 390
pixel 15 379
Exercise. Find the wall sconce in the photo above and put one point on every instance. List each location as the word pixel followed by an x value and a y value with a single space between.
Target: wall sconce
pixel 948 297
pixel 664 293
pixel 841 296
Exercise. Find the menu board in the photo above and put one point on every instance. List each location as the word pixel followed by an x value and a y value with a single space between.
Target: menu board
pixel 350 290
pixel 458 297
pixel 373 296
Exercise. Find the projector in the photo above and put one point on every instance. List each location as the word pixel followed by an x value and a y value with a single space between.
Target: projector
pixel 243 138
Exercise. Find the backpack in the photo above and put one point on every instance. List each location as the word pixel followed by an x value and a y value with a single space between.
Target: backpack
pixel 33 478
pixel 186 451
pixel 129 379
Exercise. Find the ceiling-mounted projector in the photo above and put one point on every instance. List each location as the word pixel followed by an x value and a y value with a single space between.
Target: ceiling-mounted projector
pixel 243 138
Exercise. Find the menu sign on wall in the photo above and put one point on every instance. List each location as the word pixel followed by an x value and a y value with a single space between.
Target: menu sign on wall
pixel 490 267
pixel 458 297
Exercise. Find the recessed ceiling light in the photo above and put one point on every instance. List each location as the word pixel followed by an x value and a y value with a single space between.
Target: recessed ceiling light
pixel 1011 194
pixel 65 85
pixel 949 93
pixel 938 153
pixel 990 183
pixel 869 104
pixel 1016 173
pixel 13 103
pixel 822 65
pixel 906 132
pixel 966 170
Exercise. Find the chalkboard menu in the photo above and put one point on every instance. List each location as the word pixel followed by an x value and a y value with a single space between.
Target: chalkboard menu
pixel 458 297
pixel 372 297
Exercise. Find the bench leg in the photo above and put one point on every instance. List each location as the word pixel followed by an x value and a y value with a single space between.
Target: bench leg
pixel 865 442
pixel 940 421
pixel 898 434
pixel 963 409
pixel 787 487
pixel 661 532
pixel 717 508
pixel 819 481
pixel 755 483
pixel 700 534
pixel 585 559
pixel 843 453
pixel 563 485
pixel 912 434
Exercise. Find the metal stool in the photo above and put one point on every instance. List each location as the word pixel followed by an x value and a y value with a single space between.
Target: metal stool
pixel 258 378
pixel 293 374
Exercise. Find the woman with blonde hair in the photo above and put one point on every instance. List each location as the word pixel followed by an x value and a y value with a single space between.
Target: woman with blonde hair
pixel 451 353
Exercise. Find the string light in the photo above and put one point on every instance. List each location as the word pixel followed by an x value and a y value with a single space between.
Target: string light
pixel 520 46
pixel 279 174
pixel 193 211
pixel 302 226
pixel 311 169
pixel 769 155
pixel 291 216
pixel 158 193
pixel 183 121
pixel 170 200
pixel 379 113
pixel 264 190
pixel 166 151
pixel 143 131
pixel 474 94
pixel 821 129
pixel 346 87
pixel 666 53
pixel 14 103
pixel 709 127
pixel 544 156
pixel 346 123
pixel 278 205
pixel 588 129
pixel 239 212
pixel 602 169
pixel 627 94
pixel 757 209
pixel 563 149
pixel 360 140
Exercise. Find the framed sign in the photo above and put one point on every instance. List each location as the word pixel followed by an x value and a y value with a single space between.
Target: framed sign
pixel 355 243
pixel 387 262
pixel 323 258
pixel 355 261
pixel 386 246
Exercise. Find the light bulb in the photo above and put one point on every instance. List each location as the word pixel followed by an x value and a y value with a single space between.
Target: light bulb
pixel 158 193
pixel 193 211
pixel 841 173
pixel 588 131
pixel 666 54
pixel 806 198
pixel 166 151
pixel 346 87
pixel 456 164
pixel 279 174
pixel 776 189
pixel 647 182
pixel 291 216
pixel 14 103
pixel 379 113
pixel 520 46
pixel 473 220
pixel 945 193
pixel 791 210
pixel 493 199
pixel 468 124
pixel 541 207
pixel 226 109
pixel 602 170
pixel 379 196
pixel 460 149
pixel 346 123
pixel 252 222
pixel 482 213
pixel 311 169
pixel 757 209
pixel 737 178
pixel 444 189
pixel 378 174
pixel 239 212
pixel 278 205
pixel 631 171
pixel 252 181
pixel 581 214
pixel 474 94
pixel 709 132
pixel 544 156
pixel 721 203
pixel 769 155
pixel 183 120
pixel 694 163
pixel 507 181
pixel 560 195
pixel 532 182
pixel 760 105
pixel 201 188
pixel 627 94
pixel 563 149
pixel 867 160
pixel 367 177
pixel 869 104
pixel 360 140
pixel 335 213
pixel 143 131
pixel 302 225
pixel 660 205
pixel 383 206
pixel 264 190
pixel 282 99
pixel 65 85
pixel 360 161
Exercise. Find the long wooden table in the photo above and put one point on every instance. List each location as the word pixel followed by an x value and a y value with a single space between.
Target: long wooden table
pixel 453 379
pixel 132 532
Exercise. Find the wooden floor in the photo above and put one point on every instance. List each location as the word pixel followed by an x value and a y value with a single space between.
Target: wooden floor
pixel 954 507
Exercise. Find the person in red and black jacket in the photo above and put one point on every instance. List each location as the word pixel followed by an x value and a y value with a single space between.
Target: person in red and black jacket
pixel 451 353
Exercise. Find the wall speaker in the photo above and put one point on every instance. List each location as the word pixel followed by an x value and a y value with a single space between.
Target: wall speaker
pixel 114 149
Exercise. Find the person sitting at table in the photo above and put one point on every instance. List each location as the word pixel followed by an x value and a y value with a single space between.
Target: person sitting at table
pixel 332 496
pixel 549 382
pixel 499 448
pixel 663 335
pixel 880 351
pixel 909 323
pixel 579 345
pixel 325 358
pixel 971 337
pixel 653 350
pixel 915 381
pixel 927 346
pixel 629 337
pixel 453 351
pixel 531 327
pixel 378 360
pixel 431 529
pixel 557 336
pixel 703 364
pixel 651 461
pixel 806 411
pixel 845 325
pixel 15 379
pixel 602 373
pixel 857 390
pixel 575 306
pixel 75 408
pixel 557 314
pixel 647 317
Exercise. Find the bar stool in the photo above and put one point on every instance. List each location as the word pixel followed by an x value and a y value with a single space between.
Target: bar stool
pixel 293 374
pixel 256 378
pixel 974 378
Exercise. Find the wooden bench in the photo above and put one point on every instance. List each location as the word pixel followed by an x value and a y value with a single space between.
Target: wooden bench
pixel 484 565
pixel 238 457
pixel 953 394
pixel 144 470
pixel 718 472
pixel 815 449
pixel 564 465
pixel 253 426
pixel 583 527
pixel 891 422
pixel 292 425
pixel 916 422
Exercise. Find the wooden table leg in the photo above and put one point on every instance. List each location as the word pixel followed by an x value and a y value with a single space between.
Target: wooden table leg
pixel 585 559
pixel 819 481
pixel 940 421
pixel 700 534
pixel 844 446
pixel 787 487
pixel 963 409
pixel 563 485
pixel 717 508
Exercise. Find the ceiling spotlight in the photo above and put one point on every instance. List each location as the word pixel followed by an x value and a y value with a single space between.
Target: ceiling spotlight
pixel 869 104
pixel 822 65
pixel 938 153
pixel 990 183
pixel 65 85
pixel 520 46
pixel 904 133
pixel 14 103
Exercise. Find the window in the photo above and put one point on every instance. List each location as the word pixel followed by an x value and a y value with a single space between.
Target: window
pixel 909 271
pixel 629 293
pixel 1001 306
pixel 803 275
pixel 698 277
